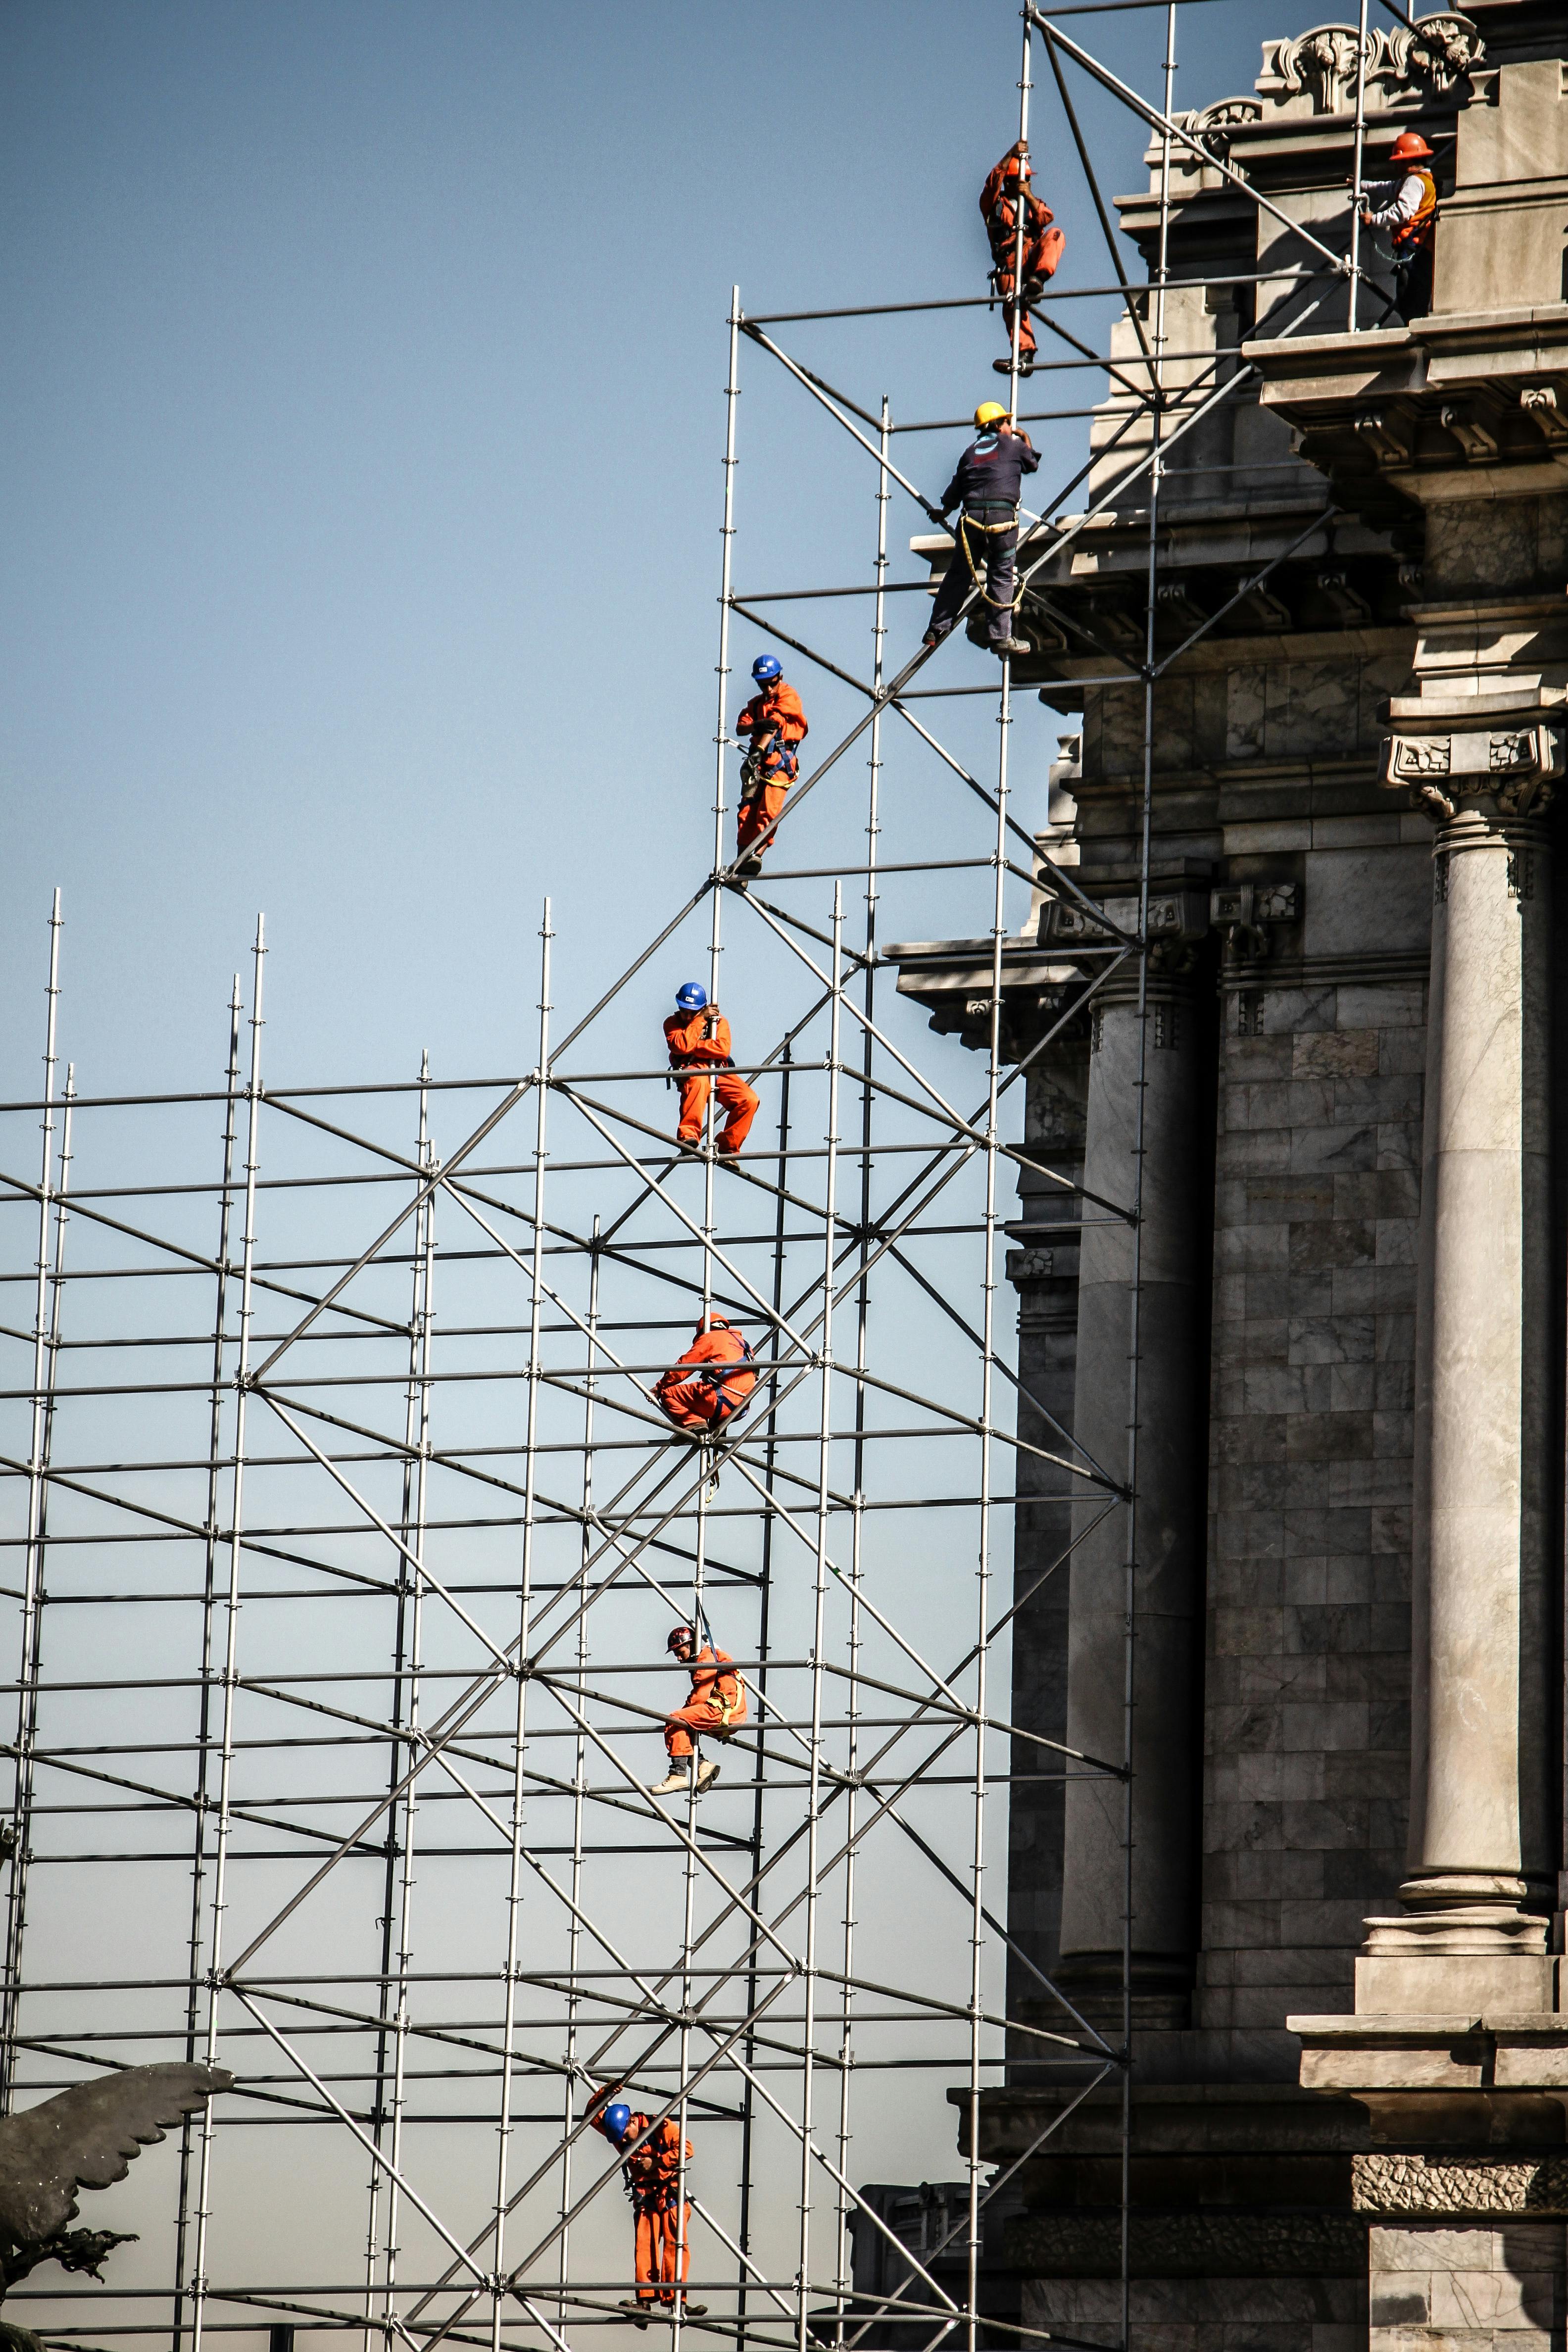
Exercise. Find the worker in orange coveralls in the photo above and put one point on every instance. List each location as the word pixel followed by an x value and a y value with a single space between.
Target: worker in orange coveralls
pixel 715 1710
pixel 663 2226
pixel 777 723
pixel 1043 247
pixel 698 1036
pixel 711 1382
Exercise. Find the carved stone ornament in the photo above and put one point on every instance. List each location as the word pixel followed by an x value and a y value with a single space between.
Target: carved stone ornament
pixel 1324 61
pixel 1399 63
pixel 1435 53
pixel 1413 757
pixel 1216 125
pixel 1477 2185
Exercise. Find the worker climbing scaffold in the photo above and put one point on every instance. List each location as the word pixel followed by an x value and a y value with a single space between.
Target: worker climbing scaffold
pixel 775 725
pixel 1005 196
pixel 986 485
pixel 662 2218
pixel 715 1709
pixel 698 1036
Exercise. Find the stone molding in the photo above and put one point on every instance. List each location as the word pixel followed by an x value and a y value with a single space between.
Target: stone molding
pixel 1190 2244
pixel 1435 2188
pixel 1370 968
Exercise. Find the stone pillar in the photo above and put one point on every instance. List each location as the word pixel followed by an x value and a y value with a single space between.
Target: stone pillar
pixel 1171 1343
pixel 1480 1875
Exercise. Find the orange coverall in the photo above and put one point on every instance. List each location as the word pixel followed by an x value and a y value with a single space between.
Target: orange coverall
pixel 699 1043
pixel 703 1403
pixel 1042 246
pixel 652 2172
pixel 716 1709
pixel 776 712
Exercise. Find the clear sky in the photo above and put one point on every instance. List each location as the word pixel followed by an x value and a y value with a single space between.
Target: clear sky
pixel 361 396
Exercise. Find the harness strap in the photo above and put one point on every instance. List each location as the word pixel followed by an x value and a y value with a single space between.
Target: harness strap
pixel 964 527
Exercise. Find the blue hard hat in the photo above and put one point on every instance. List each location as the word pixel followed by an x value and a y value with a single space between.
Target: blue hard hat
pixel 617 2120
pixel 765 668
pixel 692 996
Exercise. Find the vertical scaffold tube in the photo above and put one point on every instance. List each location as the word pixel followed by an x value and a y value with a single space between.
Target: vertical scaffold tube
pixel 525 1603
pixel 209 1598
pixel 579 1793
pixel 199 2285
pixel 32 1580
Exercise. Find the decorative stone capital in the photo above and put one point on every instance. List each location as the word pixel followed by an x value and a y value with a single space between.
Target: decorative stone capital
pixel 1444 761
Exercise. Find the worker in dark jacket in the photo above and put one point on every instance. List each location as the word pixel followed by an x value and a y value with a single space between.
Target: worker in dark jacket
pixel 987 486
pixel 1005 191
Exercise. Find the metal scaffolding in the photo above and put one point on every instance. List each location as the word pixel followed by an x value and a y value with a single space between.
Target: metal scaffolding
pixel 348 1533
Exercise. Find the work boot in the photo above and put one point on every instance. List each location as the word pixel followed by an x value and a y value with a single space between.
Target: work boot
pixel 706 1776
pixel 694 2310
pixel 678 1775
pixel 748 867
pixel 1010 645
pixel 728 1159
pixel 639 2311
pixel 688 1143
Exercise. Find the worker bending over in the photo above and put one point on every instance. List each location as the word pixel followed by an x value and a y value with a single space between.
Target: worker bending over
pixel 1005 189
pixel 698 1036
pixel 662 2243
pixel 776 724
pixel 1406 208
pixel 711 1382
pixel 986 486
pixel 715 1710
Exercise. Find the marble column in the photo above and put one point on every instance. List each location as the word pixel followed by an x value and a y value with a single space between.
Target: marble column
pixel 1172 1393
pixel 1479 1879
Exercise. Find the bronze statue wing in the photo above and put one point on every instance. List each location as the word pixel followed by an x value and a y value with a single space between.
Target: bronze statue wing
pixel 86 2137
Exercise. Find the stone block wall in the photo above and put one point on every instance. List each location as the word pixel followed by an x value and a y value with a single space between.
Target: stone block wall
pixel 1307 1672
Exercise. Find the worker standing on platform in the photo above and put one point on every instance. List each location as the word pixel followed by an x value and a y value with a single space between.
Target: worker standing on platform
pixel 987 486
pixel 1407 208
pixel 715 1710
pixel 662 2244
pixel 1005 189
pixel 698 1036
pixel 711 1382
pixel 775 723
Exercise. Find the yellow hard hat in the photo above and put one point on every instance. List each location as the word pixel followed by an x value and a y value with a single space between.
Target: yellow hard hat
pixel 989 412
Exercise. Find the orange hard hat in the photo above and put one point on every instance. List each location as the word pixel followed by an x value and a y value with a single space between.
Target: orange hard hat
pixel 1019 168
pixel 1409 148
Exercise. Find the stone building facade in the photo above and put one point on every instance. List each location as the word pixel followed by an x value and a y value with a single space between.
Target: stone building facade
pixel 1349 2059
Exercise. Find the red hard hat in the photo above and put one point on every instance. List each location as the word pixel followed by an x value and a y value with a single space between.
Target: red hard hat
pixel 681 1633
pixel 1409 148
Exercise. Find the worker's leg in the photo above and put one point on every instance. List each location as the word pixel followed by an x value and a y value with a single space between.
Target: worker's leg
pixel 677 2251
pixel 758 811
pixel 648 2256
pixel 685 1722
pixel 956 583
pixel 1000 570
pixel 1412 281
pixel 693 1104
pixel 1020 311
pixel 743 1102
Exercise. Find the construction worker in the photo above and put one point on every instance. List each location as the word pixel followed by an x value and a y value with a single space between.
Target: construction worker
pixel 698 1036
pixel 711 1382
pixel 986 485
pixel 1043 247
pixel 662 2242
pixel 775 723
pixel 715 1710
pixel 1406 208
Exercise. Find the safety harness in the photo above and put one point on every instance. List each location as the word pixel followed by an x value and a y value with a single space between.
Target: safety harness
pixel 1407 237
pixel 713 1376
pixel 979 574
pixel 729 1702
pixel 765 763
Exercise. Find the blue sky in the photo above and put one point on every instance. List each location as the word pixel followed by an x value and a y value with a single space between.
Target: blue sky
pixel 362 403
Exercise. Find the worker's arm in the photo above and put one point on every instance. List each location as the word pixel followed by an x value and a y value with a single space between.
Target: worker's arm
pixel 1028 456
pixel 1397 203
